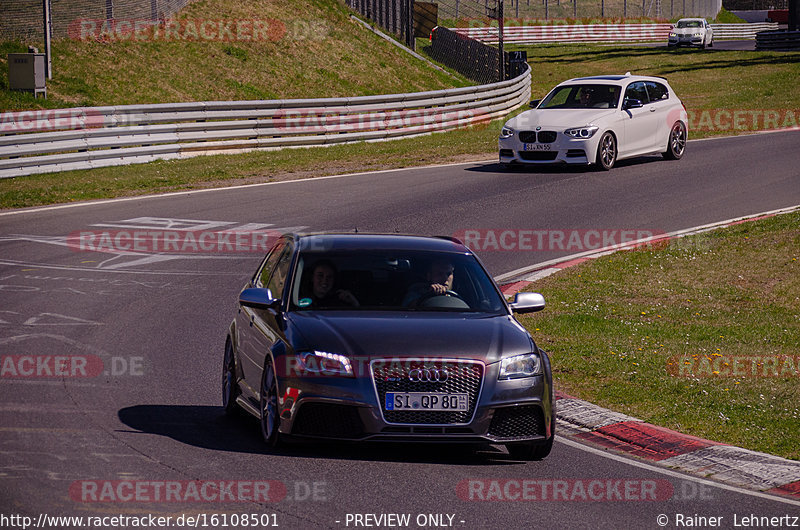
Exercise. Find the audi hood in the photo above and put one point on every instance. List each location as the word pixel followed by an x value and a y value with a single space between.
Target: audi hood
pixel 425 334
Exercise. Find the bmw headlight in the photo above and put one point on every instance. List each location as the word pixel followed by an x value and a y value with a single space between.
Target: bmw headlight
pixel 697 34
pixel 506 132
pixel 324 363
pixel 520 366
pixel 582 132
pixel 673 34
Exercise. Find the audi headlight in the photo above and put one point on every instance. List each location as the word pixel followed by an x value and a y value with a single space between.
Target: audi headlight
pixel 520 366
pixel 582 132
pixel 506 132
pixel 324 363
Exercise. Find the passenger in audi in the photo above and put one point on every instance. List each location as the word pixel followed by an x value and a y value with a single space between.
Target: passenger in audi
pixel 323 293
pixel 438 281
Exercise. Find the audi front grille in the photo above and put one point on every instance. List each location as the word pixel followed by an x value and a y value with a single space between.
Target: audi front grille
pixel 392 375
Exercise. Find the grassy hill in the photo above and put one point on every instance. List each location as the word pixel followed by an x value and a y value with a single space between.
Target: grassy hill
pixel 309 49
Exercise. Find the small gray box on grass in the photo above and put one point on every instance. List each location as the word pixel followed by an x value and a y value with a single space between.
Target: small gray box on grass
pixel 26 72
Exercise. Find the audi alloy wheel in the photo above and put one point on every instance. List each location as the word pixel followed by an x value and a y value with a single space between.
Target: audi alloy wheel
pixel 230 386
pixel 270 420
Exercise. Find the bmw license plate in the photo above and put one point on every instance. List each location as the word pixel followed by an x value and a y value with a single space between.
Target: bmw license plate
pixel 426 401
pixel 537 147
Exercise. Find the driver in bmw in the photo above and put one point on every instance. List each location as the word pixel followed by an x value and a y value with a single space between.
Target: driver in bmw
pixel 438 280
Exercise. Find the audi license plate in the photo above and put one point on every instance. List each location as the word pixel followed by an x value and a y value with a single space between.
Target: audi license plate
pixel 426 401
pixel 537 147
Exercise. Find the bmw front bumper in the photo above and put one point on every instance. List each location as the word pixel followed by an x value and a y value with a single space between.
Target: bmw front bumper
pixel 564 150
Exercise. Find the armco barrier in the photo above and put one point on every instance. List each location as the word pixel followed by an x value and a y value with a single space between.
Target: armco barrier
pixel 778 40
pixel 741 31
pixel 82 138
pixel 569 33
pixel 601 32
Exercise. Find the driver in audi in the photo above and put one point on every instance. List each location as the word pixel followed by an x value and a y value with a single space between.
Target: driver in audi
pixel 438 280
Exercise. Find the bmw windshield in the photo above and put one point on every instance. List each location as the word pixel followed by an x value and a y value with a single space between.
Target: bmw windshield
pixel 393 281
pixel 582 96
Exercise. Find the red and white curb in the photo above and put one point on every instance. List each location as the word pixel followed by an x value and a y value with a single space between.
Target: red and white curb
pixel 587 422
pixel 728 464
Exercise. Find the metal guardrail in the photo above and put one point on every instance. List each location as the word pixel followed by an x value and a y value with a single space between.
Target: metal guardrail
pixel 778 40
pixel 47 141
pixel 569 33
pixel 741 31
pixel 602 32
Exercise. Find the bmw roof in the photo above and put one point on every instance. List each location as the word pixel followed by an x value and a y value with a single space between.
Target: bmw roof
pixel 623 77
pixel 601 77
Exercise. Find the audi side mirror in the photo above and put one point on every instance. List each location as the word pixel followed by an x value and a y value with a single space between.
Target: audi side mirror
pixel 258 298
pixel 527 303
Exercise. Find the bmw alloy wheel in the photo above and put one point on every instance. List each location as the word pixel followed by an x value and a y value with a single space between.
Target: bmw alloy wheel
pixel 677 142
pixel 607 151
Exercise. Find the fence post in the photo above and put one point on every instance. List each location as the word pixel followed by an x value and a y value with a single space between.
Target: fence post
pixel 501 22
pixel 48 30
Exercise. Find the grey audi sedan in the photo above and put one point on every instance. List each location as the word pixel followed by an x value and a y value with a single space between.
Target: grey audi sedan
pixel 365 337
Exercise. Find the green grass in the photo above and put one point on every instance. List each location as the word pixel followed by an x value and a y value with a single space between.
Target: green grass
pixel 321 53
pixel 620 329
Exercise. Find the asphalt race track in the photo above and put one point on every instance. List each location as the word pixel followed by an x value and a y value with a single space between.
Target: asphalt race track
pixel 134 435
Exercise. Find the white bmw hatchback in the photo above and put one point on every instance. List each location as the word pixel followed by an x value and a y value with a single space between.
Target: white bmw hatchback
pixel 597 120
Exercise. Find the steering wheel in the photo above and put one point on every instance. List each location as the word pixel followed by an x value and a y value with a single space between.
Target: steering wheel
pixel 431 294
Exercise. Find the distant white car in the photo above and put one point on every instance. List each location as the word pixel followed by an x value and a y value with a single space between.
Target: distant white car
pixel 598 120
pixel 691 32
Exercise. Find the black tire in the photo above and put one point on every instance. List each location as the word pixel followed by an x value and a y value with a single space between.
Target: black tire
pixel 230 386
pixel 268 405
pixel 606 152
pixel 530 450
pixel 676 145
pixel 711 44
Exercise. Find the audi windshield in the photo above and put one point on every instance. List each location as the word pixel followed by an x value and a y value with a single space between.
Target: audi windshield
pixel 393 281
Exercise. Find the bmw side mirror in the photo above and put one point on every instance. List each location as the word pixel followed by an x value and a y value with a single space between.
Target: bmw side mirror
pixel 534 103
pixel 527 303
pixel 258 298
pixel 631 103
